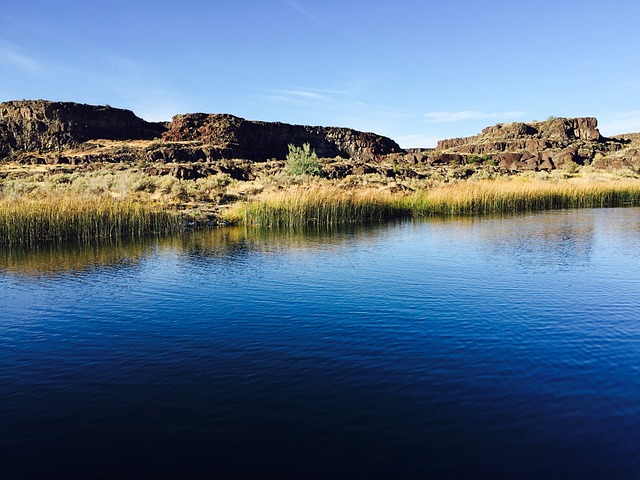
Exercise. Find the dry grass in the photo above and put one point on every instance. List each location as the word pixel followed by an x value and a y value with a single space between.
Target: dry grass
pixel 314 204
pixel 329 204
pixel 29 221
pixel 42 202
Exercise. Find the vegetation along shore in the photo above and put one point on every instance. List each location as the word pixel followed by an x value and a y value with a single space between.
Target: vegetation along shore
pixel 73 171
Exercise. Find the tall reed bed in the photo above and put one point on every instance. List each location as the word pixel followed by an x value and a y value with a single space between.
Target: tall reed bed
pixel 331 204
pixel 472 198
pixel 28 221
pixel 322 205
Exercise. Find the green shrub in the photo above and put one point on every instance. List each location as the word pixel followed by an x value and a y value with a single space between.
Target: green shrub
pixel 479 159
pixel 303 161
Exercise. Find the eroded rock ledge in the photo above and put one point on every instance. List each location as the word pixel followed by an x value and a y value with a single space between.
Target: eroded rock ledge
pixel 235 137
pixel 198 144
pixel 33 125
pixel 42 126
pixel 554 143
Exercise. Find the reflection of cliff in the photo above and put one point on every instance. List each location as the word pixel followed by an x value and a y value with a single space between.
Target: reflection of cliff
pixel 558 238
pixel 221 246
pixel 553 238
pixel 51 259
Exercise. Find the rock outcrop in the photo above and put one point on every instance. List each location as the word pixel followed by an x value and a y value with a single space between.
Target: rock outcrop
pixel 555 143
pixel 32 125
pixel 235 137
pixel 196 144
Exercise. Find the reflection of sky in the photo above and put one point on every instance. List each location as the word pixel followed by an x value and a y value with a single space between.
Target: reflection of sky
pixel 550 239
pixel 569 238
pixel 424 337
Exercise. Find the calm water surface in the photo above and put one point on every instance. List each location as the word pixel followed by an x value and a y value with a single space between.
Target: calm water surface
pixel 462 348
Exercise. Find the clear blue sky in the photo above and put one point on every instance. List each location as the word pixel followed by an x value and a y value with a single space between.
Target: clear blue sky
pixel 416 71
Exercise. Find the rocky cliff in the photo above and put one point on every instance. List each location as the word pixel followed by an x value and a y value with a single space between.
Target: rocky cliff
pixel 235 137
pixel 30 125
pixel 554 143
pixel 43 132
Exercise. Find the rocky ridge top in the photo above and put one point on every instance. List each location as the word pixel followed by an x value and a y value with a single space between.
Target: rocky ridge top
pixel 41 126
pixel 30 125
pixel 554 143
pixel 44 132
pixel 236 137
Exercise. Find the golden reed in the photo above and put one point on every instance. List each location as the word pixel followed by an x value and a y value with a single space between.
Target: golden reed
pixel 332 204
pixel 29 221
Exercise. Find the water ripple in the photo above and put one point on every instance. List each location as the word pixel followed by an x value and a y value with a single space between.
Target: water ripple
pixel 503 347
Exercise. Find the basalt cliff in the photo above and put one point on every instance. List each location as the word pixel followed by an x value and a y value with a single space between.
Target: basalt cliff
pixel 555 143
pixel 198 144
pixel 41 127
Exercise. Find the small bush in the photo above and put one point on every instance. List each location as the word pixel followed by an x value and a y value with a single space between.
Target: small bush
pixel 303 161
pixel 479 159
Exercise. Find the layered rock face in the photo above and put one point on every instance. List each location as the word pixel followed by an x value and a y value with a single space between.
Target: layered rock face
pixel 30 125
pixel 535 135
pixel 43 132
pixel 235 137
pixel 555 143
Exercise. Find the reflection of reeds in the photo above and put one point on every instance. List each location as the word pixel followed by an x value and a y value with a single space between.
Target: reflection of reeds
pixel 330 205
pixel 50 258
pixel 27 221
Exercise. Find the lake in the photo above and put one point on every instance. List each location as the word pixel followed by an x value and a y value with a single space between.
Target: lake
pixel 495 347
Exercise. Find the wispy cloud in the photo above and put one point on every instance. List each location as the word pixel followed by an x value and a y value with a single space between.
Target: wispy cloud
pixel 12 55
pixel 305 94
pixel 301 95
pixel 464 115
pixel 304 12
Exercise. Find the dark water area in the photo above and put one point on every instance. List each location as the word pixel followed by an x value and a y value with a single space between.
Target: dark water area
pixel 504 347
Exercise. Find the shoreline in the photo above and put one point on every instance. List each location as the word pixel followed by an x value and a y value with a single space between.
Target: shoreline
pixel 73 210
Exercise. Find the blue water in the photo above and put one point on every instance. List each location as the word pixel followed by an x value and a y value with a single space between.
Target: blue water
pixel 459 348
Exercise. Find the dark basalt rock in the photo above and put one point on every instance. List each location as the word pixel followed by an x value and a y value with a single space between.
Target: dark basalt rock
pixel 34 125
pixel 555 143
pixel 235 137
pixel 65 133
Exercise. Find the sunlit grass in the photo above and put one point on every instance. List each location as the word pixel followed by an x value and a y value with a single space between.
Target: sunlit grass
pixel 326 204
pixel 29 221
pixel 323 205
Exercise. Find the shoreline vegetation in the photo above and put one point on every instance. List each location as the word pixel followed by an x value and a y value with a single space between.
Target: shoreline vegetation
pixel 128 203
pixel 326 205
pixel 28 221
pixel 77 172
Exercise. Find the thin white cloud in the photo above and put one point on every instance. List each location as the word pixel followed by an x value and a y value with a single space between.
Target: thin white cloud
pixel 442 117
pixel 301 96
pixel 11 54
pixel 305 94
pixel 304 12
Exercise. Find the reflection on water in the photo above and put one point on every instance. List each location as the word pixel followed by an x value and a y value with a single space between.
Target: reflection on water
pixel 223 243
pixel 493 347
pixel 561 238
pixel 555 238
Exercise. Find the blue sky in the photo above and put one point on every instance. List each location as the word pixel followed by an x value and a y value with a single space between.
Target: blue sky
pixel 416 71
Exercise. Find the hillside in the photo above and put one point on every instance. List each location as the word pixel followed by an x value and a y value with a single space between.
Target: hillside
pixel 39 132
